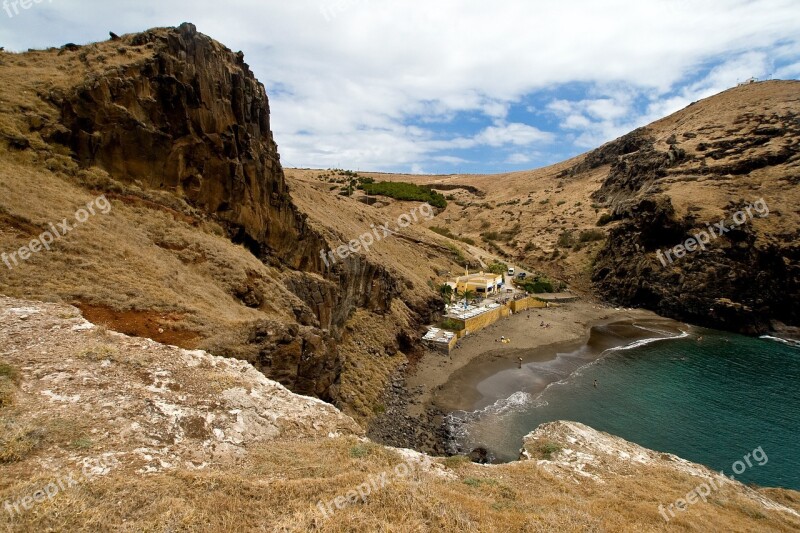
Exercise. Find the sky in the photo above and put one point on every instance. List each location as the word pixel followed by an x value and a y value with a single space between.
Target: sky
pixel 456 86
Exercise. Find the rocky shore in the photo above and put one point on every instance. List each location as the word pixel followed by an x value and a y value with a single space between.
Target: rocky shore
pixel 397 427
pixel 419 397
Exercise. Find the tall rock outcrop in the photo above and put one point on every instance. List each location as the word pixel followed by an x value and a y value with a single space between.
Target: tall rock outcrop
pixel 705 172
pixel 188 116
pixel 193 119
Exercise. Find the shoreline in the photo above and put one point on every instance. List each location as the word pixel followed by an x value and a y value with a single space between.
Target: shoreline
pixel 419 398
pixel 448 384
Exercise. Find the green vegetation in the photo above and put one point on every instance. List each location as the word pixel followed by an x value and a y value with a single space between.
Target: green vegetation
pixel 456 251
pixel 357 452
pixel 591 235
pixel 456 461
pixel 451 325
pixel 351 180
pixel 547 449
pixel 566 239
pixel 538 284
pixel 605 218
pixel 476 482
pixel 446 292
pixel 503 236
pixel 497 268
pixel 83 443
pixel 510 202
pixel 406 191
pixel 9 372
pixel 444 232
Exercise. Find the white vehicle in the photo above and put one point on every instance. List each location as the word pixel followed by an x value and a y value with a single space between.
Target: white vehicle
pixel 511 271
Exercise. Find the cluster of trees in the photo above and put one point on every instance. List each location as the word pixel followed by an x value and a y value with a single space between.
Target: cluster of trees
pixel 447 292
pixel 497 268
pixel 539 284
pixel 405 191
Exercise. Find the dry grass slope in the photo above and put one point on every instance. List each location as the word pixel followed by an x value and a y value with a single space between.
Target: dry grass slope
pixel 165 476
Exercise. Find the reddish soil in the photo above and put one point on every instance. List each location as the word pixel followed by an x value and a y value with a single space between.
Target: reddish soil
pixel 18 226
pixel 148 324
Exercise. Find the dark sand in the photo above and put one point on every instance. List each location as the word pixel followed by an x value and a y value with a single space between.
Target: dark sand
pixel 482 370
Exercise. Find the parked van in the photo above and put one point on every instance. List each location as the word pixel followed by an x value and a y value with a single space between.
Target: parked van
pixel 511 271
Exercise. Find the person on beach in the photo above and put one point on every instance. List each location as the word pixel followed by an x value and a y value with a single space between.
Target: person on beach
pixel 595 384
pixel 519 361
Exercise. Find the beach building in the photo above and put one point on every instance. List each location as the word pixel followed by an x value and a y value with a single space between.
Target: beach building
pixel 440 340
pixel 481 284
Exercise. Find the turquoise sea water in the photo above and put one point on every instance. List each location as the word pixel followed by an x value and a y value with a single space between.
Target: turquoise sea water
pixel 710 400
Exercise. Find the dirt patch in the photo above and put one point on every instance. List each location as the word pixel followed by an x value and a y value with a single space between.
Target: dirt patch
pixel 149 204
pixel 160 327
pixel 18 226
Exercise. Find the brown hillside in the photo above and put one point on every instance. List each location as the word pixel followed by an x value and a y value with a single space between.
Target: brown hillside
pixel 702 164
pixel 202 245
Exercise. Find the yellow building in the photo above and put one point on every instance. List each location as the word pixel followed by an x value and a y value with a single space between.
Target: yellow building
pixel 481 284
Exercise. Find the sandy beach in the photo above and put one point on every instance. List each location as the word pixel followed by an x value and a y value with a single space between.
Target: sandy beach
pixel 449 383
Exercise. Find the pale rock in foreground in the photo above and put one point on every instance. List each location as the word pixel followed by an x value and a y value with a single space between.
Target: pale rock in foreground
pixel 579 453
pixel 152 407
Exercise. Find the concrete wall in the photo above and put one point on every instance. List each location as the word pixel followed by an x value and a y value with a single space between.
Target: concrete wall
pixel 527 303
pixel 484 320
pixel 442 347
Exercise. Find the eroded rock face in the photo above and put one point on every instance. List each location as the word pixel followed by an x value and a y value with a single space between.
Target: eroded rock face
pixel 194 120
pixel 747 280
pixel 737 284
pixel 355 282
pixel 190 118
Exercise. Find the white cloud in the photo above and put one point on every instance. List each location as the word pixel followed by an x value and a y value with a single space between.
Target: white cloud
pixel 512 134
pixel 417 169
pixel 518 159
pixel 788 72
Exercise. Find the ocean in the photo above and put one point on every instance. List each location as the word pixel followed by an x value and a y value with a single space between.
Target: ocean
pixel 706 396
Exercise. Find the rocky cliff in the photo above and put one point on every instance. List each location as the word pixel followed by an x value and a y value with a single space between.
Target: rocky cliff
pixel 736 186
pixel 181 113
pixel 193 120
